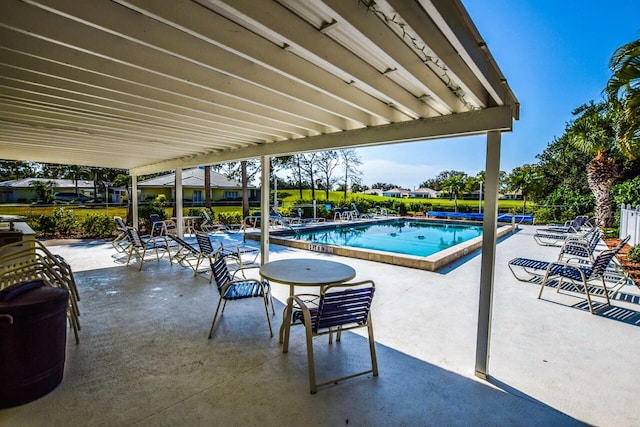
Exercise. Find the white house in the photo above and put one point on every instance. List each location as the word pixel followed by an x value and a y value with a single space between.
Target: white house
pixel 424 193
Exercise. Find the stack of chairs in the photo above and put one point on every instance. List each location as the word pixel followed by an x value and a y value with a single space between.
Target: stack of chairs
pixel 21 262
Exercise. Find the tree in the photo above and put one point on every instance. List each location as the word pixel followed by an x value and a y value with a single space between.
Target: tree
pixel 454 184
pixel 384 186
pixel 525 179
pixel 623 90
pixel 593 132
pixel 327 163
pixel 350 162
pixel 43 190
pixel 307 165
pixel 76 173
pixel 10 169
pixel 207 186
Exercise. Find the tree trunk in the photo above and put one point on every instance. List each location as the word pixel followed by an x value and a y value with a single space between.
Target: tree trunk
pixel 299 175
pixel 207 187
pixel 601 174
pixel 245 189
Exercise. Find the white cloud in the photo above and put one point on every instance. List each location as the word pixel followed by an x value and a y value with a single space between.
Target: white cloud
pixel 403 174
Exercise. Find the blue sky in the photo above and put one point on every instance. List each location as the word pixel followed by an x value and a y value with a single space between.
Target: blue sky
pixel 555 57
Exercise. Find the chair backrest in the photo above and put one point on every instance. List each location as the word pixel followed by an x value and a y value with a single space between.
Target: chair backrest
pixel 206 216
pixel 601 263
pixel 220 271
pixel 344 307
pixel 134 237
pixel 355 209
pixel 205 244
pixel 155 218
pixel 120 223
pixel 184 244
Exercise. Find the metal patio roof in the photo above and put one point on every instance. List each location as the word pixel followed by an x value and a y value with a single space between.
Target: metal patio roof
pixel 155 85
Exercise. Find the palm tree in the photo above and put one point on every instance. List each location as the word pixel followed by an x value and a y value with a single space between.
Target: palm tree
pixel 43 189
pixel 623 90
pixel 454 184
pixel 524 179
pixel 593 133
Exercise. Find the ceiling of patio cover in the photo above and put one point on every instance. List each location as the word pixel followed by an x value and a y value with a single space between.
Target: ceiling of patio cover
pixel 155 85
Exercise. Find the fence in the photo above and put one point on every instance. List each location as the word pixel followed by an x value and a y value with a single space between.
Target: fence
pixel 630 223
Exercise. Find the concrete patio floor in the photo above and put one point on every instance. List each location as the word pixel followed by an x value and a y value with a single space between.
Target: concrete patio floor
pixel 144 358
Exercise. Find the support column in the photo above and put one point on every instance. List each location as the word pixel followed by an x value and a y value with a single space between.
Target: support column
pixel 178 196
pixel 489 240
pixel 134 201
pixel 264 209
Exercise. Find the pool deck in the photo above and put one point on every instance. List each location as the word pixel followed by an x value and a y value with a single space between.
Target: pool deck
pixel 144 358
pixel 430 263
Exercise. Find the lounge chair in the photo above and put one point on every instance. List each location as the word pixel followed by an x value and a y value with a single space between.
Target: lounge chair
pixel 357 213
pixel 572 226
pixel 208 225
pixel 139 246
pixel 557 238
pixel 341 307
pixel 186 254
pixel 590 278
pixel 160 227
pixel 231 289
pixel 120 243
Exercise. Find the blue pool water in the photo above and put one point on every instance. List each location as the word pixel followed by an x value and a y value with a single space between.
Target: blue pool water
pixel 409 237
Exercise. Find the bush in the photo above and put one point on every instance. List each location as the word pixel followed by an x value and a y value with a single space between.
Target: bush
pixel 63 221
pixel 634 254
pixel 230 218
pixel 99 225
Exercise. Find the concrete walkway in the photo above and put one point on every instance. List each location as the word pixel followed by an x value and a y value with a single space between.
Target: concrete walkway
pixel 144 358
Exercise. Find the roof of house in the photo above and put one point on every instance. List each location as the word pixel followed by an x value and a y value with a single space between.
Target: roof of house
pixel 57 183
pixel 192 178
pixel 424 190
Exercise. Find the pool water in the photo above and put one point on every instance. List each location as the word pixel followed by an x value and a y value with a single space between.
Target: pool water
pixel 409 237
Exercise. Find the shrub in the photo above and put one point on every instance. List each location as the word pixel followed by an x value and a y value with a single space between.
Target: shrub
pixel 634 254
pixel 63 221
pixel 99 225
pixel 230 218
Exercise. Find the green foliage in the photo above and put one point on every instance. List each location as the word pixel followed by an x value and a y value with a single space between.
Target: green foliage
pixel 567 203
pixel 627 193
pixel 99 225
pixel 230 218
pixel 63 221
pixel 634 254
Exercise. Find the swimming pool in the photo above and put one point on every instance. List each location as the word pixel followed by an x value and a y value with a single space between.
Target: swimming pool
pixel 388 241
pixel 410 237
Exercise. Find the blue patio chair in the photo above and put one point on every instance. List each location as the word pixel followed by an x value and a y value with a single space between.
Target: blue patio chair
pixel 341 307
pixel 208 225
pixel 186 254
pixel 235 254
pixel 357 213
pixel 160 227
pixel 230 289
pixel 139 246
pixel 120 243
pixel 586 277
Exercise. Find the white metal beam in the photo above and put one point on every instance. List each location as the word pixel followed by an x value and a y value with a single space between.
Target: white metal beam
pixel 489 241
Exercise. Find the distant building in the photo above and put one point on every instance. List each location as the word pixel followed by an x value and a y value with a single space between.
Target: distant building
pixel 396 192
pixel 373 192
pixel 20 190
pixel 222 188
pixel 424 193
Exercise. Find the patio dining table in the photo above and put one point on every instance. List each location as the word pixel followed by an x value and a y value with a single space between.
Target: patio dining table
pixel 304 272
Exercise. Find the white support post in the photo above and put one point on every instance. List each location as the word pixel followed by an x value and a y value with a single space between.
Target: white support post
pixel 134 200
pixel 489 240
pixel 264 210
pixel 178 192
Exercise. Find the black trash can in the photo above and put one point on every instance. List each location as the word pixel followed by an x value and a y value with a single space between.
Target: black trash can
pixel 33 339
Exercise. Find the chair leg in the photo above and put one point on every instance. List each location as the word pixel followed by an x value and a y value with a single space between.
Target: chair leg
pixel 285 330
pixel 215 316
pixel 266 310
pixel 372 348
pixel 310 360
